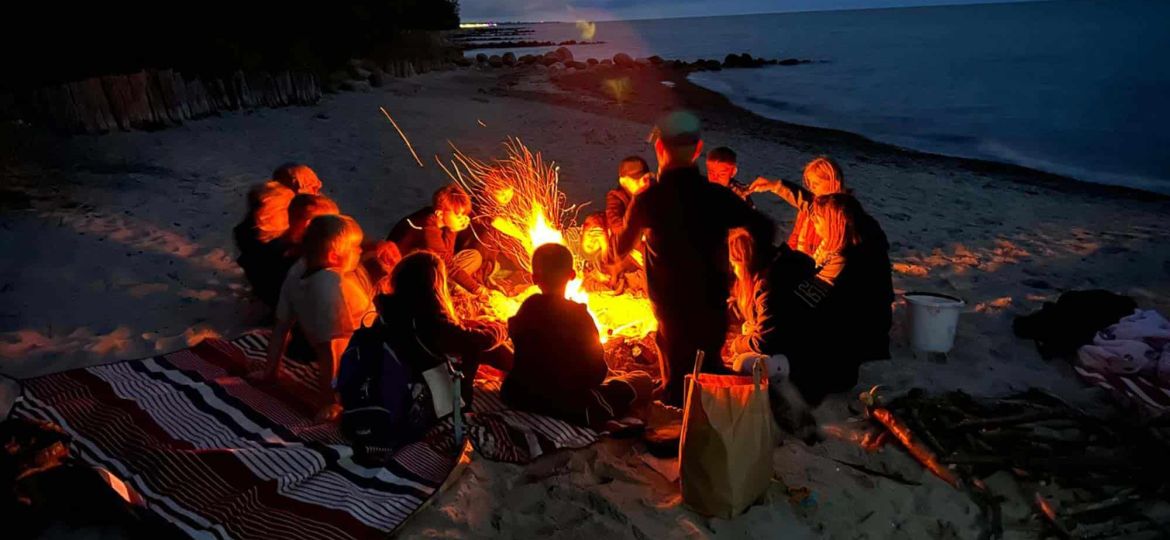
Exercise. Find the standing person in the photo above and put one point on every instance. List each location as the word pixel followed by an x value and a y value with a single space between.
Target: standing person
pixel 722 167
pixel 686 220
pixel 633 178
pixel 822 176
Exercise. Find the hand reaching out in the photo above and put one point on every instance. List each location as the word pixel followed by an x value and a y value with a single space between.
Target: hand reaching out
pixel 761 185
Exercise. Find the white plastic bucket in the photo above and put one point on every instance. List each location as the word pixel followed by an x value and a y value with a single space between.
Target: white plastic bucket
pixel 932 320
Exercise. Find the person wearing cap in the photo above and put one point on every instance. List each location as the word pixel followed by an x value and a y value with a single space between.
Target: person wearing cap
pixel 685 221
pixel 633 178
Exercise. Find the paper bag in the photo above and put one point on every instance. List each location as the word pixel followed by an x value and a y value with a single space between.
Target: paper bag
pixel 725 452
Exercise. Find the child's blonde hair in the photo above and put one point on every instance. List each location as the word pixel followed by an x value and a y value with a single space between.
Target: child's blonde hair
pixel 839 212
pixel 268 203
pixel 303 209
pixel 328 235
pixel 826 171
pixel 741 250
pixel 297 177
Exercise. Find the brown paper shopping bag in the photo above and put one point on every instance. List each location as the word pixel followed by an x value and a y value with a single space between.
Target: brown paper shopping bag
pixel 725 452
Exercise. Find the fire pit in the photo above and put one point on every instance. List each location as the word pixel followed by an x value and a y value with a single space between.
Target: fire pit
pixel 519 197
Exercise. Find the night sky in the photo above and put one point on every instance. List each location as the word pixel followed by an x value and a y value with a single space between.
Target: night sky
pixel 595 10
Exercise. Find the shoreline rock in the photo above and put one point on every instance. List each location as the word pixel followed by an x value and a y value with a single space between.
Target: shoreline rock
pixel 523 44
pixel 564 56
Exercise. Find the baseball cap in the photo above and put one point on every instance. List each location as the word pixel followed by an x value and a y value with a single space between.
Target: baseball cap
pixel 677 128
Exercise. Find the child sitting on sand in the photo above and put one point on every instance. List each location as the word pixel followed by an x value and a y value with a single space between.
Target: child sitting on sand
pixel 297 177
pixel 258 238
pixel 603 270
pixel 322 297
pixel 435 228
pixel 822 176
pixel 826 315
pixel 423 328
pixel 633 178
pixel 559 367
pixel 301 211
pixel 721 169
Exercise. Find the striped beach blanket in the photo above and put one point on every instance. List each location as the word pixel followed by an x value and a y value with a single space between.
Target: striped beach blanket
pixel 502 434
pixel 1142 390
pixel 219 458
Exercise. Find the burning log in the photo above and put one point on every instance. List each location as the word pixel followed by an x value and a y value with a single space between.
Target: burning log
pixel 1049 514
pixel 916 449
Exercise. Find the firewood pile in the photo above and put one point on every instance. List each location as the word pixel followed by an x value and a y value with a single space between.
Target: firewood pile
pixel 1086 476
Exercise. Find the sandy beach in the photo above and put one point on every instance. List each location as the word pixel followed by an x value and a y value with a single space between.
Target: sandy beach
pixel 119 246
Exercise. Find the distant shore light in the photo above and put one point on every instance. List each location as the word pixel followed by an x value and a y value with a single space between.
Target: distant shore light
pixel 477 25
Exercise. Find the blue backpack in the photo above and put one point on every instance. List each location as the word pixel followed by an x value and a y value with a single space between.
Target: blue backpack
pixel 381 397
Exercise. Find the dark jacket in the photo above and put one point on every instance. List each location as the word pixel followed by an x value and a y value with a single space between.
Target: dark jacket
pixel 420 231
pixel 827 330
pixel 617 203
pixel 423 339
pixel 686 220
pixel 265 264
pixel 558 354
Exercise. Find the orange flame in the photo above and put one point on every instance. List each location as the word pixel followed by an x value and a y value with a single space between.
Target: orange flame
pixel 520 195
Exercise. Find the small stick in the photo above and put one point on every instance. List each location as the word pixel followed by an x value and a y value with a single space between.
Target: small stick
pixel 1023 418
pixel 1123 498
pixel 1110 529
pixel 1049 514
pixel 403 135
pixel 925 431
pixel 889 476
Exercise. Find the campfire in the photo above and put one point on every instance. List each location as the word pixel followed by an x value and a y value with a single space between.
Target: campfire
pixel 519 197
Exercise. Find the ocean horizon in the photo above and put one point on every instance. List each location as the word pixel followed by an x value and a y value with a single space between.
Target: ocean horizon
pixel 1068 87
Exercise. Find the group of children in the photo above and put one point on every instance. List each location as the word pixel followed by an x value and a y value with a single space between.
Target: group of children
pixel 324 281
